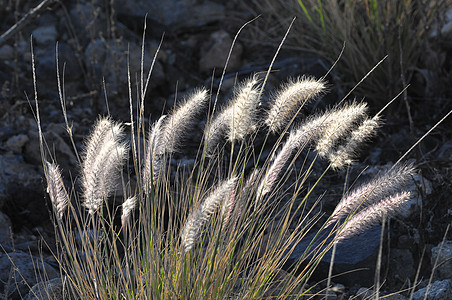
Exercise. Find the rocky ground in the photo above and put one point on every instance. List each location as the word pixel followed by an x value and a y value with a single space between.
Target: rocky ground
pixel 93 38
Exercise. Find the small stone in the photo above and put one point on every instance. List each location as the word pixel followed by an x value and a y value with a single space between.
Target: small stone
pixel 45 35
pixel 442 256
pixel 438 290
pixel 215 52
pixel 402 264
pixel 24 272
pixel 17 142
pixel 364 293
pixel 358 253
pixel 338 288
pixel 6 52
pixel 445 152
pixel 175 13
pixel 405 242
pixel 54 289
pixel 5 229
pixel 108 59
pixel 329 295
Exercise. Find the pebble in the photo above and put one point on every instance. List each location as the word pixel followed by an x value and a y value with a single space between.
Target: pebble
pixel 214 52
pixel 45 35
pixel 444 256
pixel 23 274
pixel 17 142
pixel 438 290
pixel 6 52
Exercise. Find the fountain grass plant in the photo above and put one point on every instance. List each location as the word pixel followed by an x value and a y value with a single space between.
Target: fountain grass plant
pixel 224 227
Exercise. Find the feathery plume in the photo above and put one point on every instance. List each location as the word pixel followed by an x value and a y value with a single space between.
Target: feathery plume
pixel 239 201
pixel 152 162
pixel 103 159
pixel 341 121
pixel 343 155
pixel 217 130
pixel 372 215
pixel 294 95
pixel 297 139
pixel 127 207
pixel 180 119
pixel 238 119
pixel 198 217
pixel 228 207
pixel 55 188
pixel 370 193
pixel 244 109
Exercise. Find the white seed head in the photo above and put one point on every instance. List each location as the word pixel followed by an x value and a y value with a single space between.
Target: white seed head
pixel 294 95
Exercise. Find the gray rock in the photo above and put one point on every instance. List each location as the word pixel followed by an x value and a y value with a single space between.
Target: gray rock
pixel 54 289
pixel 444 28
pixel 364 293
pixel 420 187
pixel 6 52
pixel 5 229
pixel 175 13
pixel 45 35
pixel 395 297
pixel 445 152
pixel 444 264
pixel 215 52
pixel 357 254
pixel 63 152
pixel 14 171
pixel 46 65
pixel 109 59
pixel 17 142
pixel 402 264
pixel 438 290
pixel 18 271
pixel 88 20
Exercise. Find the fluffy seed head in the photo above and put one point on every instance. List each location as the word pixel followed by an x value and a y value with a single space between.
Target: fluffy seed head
pixel 55 188
pixel 343 156
pixel 127 207
pixel 180 119
pixel 244 109
pixel 238 119
pixel 217 130
pixel 197 218
pixel 294 95
pixel 152 161
pixel 367 194
pixel 102 162
pixel 339 123
pixel 372 215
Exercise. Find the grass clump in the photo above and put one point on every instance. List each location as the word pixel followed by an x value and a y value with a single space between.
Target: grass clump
pixel 371 30
pixel 222 228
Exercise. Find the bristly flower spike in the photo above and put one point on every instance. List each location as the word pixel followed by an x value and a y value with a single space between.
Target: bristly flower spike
pixel 237 120
pixel 127 207
pixel 244 109
pixel 103 159
pixel 372 215
pixel 367 194
pixel 294 95
pixel 197 218
pixel 178 121
pixel 56 189
pixel 166 134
